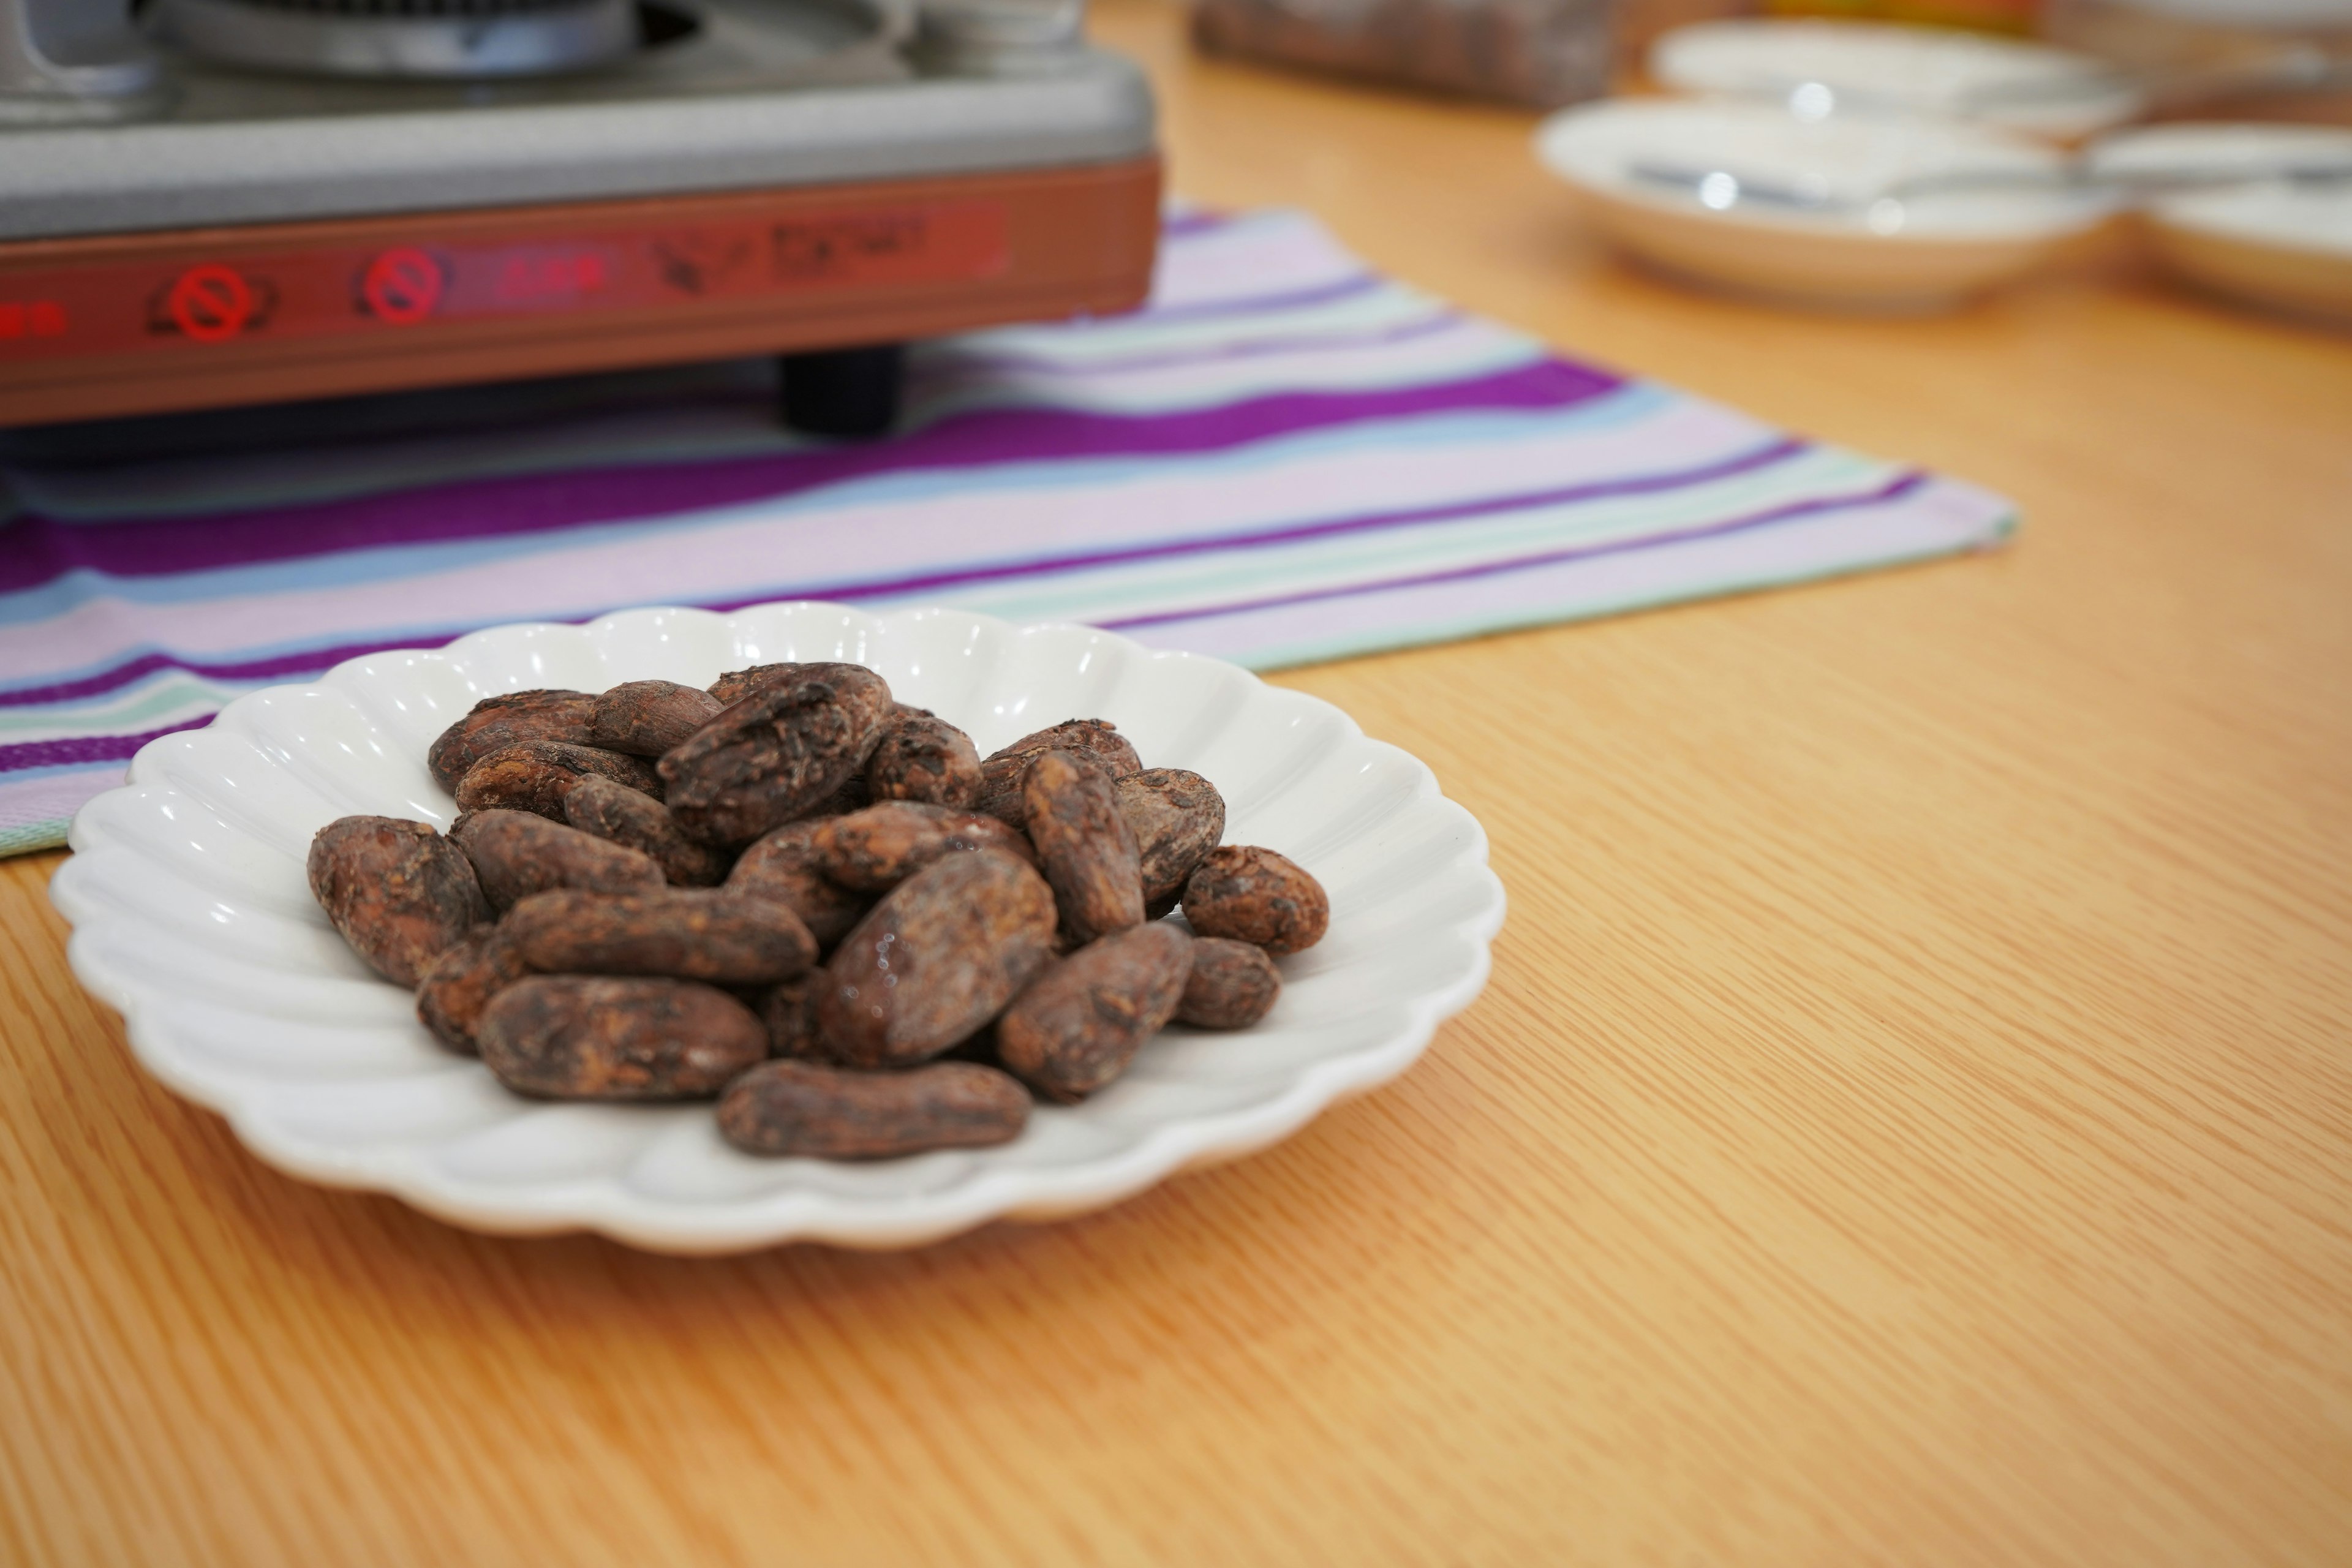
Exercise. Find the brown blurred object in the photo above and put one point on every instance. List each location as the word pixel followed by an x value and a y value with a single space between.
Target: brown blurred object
pixel 1539 53
pixel 2191 37
pixel 1986 16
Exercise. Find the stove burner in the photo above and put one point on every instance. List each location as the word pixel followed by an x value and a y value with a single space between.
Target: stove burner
pixel 404 38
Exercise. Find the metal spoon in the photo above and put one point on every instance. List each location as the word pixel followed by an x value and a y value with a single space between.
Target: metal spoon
pixel 2301 68
pixel 1721 188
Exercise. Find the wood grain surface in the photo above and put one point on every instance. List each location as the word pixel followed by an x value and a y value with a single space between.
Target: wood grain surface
pixel 1910 1122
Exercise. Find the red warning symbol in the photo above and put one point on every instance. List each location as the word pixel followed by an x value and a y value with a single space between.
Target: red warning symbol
pixel 211 303
pixel 402 285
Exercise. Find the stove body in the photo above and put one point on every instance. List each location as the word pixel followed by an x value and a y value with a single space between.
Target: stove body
pixel 527 192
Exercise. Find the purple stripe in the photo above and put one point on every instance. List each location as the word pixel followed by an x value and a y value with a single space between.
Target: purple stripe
pixel 1201 220
pixel 1893 490
pixel 311 662
pixel 83 749
pixel 1039 566
pixel 42 753
pixel 35 548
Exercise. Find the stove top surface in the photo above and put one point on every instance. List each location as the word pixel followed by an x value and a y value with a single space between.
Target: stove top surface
pixel 723 95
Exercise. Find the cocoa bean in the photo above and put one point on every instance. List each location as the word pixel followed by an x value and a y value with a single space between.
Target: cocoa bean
pixel 737 684
pixel 1096 739
pixel 518 853
pixel 460 984
pixel 583 1036
pixel 797 1107
pixel 875 850
pixel 1254 895
pixel 1234 985
pixel 775 754
pixel 693 933
pixel 923 757
pixel 1177 818
pixel 535 776
pixel 401 894
pixel 497 722
pixel 789 1010
pixel 783 867
pixel 1085 844
pixel 1079 1024
pixel 936 959
pixel 646 718
pixel 621 814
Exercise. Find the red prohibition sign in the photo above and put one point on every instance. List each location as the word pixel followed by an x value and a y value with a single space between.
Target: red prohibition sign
pixel 402 285
pixel 211 303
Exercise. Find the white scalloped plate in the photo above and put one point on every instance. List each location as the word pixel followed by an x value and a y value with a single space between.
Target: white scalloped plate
pixel 193 917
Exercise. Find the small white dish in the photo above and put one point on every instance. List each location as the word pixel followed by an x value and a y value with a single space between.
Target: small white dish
pixel 2284 245
pixel 1862 250
pixel 1819 67
pixel 194 918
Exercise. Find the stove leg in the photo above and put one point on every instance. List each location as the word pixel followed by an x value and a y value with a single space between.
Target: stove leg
pixel 842 392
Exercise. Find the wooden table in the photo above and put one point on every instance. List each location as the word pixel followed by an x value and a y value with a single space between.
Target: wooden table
pixel 1911 1121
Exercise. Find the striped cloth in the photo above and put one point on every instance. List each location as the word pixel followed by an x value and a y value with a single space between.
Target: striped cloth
pixel 1285 458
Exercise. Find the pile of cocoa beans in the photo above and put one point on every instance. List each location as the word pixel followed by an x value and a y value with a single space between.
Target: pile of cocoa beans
pixel 819 906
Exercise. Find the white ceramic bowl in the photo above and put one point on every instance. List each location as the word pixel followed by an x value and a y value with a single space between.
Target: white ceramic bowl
pixel 2282 245
pixel 193 917
pixel 1819 67
pixel 1927 253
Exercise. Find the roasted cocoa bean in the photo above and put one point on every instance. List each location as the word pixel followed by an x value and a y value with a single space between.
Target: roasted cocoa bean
pixel 693 933
pixel 1079 1024
pixel 583 1036
pixel 620 813
pixel 1234 985
pixel 646 718
pixel 401 894
pixel 460 984
pixel 1254 895
pixel 783 867
pixel 519 853
pixel 498 722
pixel 789 1010
pixel 1085 844
pixel 535 776
pixel 936 959
pixel 1177 818
pixel 777 753
pixel 875 850
pixel 737 684
pixel 1096 739
pixel 797 1107
pixel 923 757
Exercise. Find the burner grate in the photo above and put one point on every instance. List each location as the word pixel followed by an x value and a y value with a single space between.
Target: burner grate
pixel 405 38
pixel 421 10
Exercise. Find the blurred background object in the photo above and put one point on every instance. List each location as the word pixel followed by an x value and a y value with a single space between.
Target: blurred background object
pixel 1847 163
pixel 1744 197
pixel 2204 35
pixel 1819 67
pixel 2283 244
pixel 1541 53
pixel 1995 16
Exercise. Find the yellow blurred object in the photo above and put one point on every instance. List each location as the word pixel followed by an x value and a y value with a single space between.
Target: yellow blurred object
pixel 1991 16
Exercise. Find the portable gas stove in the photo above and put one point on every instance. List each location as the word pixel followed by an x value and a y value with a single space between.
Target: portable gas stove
pixel 219 202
